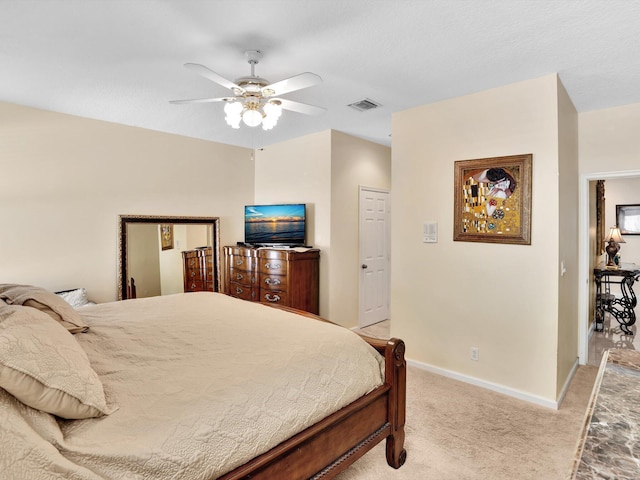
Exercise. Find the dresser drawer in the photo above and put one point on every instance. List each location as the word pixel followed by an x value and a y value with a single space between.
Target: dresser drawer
pixel 273 266
pixel 274 296
pixel 243 291
pixel 191 261
pixel 194 286
pixel 195 275
pixel 241 262
pixel 244 277
pixel 273 282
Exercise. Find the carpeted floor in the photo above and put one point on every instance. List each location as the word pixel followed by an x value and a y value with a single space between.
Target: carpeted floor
pixel 456 431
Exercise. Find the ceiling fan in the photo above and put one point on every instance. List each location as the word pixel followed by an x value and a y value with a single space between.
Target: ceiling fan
pixel 254 101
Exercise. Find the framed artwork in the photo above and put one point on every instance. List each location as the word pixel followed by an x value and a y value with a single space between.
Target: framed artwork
pixel 166 236
pixel 628 219
pixel 493 200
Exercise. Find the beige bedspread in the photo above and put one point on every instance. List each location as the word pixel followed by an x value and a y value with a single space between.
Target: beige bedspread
pixel 204 383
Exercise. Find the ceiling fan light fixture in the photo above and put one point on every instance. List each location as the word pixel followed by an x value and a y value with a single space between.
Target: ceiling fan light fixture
pixel 233 111
pixel 251 117
pixel 233 121
pixel 273 109
pixel 272 112
pixel 252 104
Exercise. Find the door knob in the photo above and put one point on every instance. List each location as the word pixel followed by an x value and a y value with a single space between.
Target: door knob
pixel 364 265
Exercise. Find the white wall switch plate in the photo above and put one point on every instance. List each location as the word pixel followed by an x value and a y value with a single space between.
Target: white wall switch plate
pixel 430 232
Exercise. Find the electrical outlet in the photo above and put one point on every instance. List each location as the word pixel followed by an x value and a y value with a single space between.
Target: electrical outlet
pixel 475 354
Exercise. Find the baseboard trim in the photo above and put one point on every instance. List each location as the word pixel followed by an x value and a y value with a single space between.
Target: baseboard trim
pixel 567 382
pixel 512 392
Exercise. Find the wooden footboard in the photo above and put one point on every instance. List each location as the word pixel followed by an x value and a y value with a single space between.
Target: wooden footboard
pixel 331 445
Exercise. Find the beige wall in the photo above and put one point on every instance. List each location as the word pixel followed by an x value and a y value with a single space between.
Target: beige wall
pixel 609 140
pixel 171 263
pixel 324 170
pixel 299 171
pixel 567 238
pixel 66 179
pixel 450 296
pixel 354 163
pixel 143 246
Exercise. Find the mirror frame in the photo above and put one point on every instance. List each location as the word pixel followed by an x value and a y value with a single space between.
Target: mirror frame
pixel 125 220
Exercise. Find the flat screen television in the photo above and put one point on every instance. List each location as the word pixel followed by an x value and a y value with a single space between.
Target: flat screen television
pixel 275 225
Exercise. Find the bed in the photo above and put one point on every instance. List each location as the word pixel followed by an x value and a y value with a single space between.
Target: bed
pixel 202 385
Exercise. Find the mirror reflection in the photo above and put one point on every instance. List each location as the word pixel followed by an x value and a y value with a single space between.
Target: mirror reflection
pixel 167 255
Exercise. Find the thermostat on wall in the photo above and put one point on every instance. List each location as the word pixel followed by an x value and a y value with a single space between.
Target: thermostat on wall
pixel 430 232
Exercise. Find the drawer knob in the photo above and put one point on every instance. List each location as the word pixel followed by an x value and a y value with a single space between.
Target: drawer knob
pixel 193 274
pixel 239 261
pixel 272 298
pixel 272 281
pixel 270 266
pixel 239 290
pixel 239 276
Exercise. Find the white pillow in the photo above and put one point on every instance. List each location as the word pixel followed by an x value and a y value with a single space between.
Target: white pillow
pixel 76 298
pixel 43 366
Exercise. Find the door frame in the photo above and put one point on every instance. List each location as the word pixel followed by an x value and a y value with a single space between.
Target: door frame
pixel 584 275
pixel 362 188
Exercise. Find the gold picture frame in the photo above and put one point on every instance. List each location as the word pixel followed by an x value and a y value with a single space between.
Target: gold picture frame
pixel 493 200
pixel 166 236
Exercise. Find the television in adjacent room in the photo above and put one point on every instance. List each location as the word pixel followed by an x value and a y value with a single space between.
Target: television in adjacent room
pixel 275 225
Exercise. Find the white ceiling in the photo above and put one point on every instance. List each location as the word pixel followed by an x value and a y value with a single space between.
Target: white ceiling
pixel 122 61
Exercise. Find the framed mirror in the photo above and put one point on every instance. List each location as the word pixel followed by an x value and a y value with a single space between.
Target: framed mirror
pixel 160 255
pixel 628 218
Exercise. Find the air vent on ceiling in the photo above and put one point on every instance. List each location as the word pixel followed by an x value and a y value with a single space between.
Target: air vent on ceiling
pixel 364 105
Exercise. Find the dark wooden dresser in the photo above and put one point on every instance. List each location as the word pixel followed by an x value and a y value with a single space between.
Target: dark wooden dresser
pixel 288 277
pixel 198 270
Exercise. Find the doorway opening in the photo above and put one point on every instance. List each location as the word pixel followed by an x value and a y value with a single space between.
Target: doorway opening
pixel 590 345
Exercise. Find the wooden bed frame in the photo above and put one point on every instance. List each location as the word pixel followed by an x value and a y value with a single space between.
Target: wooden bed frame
pixel 331 445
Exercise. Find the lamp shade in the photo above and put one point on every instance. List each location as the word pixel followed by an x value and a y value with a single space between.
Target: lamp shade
pixel 614 236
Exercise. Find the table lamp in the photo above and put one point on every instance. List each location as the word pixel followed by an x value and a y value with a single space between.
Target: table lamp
pixel 614 238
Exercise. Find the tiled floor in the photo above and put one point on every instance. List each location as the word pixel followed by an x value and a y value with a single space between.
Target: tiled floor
pixel 611 337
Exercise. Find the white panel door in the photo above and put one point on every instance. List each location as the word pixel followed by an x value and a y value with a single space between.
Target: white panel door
pixel 375 212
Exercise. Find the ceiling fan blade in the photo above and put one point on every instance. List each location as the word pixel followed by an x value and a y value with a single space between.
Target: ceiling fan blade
pixel 213 76
pixel 203 100
pixel 301 107
pixel 291 84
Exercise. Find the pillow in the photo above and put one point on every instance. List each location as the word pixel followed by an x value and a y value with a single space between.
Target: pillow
pixel 43 366
pixel 48 302
pixel 76 298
